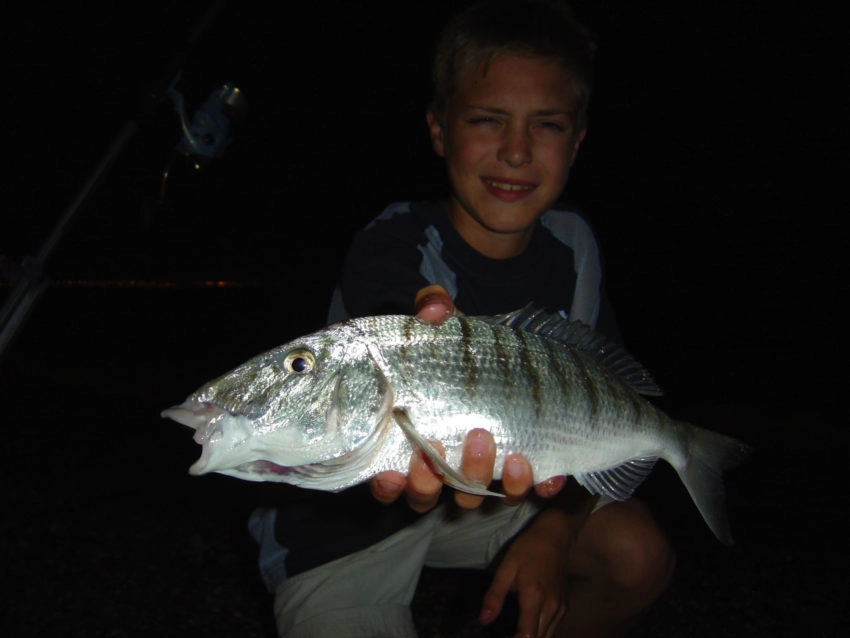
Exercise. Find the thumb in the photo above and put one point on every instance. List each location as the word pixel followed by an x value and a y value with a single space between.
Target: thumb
pixel 434 305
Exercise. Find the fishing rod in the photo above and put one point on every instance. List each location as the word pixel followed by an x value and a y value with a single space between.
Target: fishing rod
pixel 203 137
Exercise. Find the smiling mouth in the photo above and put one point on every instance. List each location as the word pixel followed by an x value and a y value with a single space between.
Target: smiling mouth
pixel 508 187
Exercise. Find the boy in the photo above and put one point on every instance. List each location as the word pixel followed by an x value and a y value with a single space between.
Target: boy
pixel 512 82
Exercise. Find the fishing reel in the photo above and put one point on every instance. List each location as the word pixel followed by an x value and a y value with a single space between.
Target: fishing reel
pixel 209 132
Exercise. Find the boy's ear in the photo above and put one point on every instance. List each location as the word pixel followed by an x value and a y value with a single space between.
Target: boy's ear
pixel 435 130
pixel 580 138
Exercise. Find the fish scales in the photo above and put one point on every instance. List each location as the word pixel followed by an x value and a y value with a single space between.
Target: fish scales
pixel 455 387
pixel 518 368
pixel 338 406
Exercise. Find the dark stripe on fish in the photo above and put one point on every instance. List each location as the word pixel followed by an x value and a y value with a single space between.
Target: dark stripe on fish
pixel 638 407
pixel 590 389
pixel 470 362
pixel 503 353
pixel 407 329
pixel 530 371
pixel 556 358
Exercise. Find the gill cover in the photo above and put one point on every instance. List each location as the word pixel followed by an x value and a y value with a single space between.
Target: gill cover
pixel 361 404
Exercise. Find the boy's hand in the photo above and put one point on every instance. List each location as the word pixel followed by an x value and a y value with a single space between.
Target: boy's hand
pixel 535 567
pixel 422 486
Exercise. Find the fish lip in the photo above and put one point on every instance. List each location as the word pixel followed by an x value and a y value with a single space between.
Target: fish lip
pixel 246 470
pixel 204 417
pixel 265 466
pixel 192 413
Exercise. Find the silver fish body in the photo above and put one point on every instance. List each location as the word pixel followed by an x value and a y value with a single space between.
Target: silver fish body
pixel 336 407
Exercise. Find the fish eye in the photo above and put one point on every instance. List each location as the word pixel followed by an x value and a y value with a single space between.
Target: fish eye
pixel 299 361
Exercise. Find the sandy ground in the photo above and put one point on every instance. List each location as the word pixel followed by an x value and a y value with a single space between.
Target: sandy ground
pixel 104 534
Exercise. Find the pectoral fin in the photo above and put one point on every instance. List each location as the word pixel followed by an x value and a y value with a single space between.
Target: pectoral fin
pixel 451 477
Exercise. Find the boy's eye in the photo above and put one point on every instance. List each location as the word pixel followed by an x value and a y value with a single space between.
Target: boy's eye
pixel 552 126
pixel 483 120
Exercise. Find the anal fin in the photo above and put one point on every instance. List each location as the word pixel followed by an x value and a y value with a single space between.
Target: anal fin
pixel 617 483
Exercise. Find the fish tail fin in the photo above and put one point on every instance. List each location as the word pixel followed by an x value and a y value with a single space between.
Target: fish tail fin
pixel 710 455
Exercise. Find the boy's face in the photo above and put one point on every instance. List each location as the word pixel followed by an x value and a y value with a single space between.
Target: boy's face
pixel 509 140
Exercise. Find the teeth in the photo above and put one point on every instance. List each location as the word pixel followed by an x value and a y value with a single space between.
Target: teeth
pixel 509 187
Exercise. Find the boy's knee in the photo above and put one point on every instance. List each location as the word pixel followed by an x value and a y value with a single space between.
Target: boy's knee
pixel 635 552
pixel 640 558
pixel 644 561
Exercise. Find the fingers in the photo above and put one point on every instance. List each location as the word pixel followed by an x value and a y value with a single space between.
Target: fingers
pixel 517 478
pixel 539 614
pixel 433 304
pixel 551 486
pixel 479 456
pixel 530 613
pixel 423 485
pixel 494 599
pixel 387 486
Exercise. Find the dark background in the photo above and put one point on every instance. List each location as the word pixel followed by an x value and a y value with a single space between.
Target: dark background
pixel 713 172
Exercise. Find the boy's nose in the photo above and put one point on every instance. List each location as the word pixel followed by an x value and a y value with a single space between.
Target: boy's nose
pixel 515 149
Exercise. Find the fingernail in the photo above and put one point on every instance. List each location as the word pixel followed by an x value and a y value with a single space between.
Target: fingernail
pixel 486 616
pixel 514 467
pixel 433 299
pixel 430 299
pixel 387 488
pixel 477 444
pixel 553 485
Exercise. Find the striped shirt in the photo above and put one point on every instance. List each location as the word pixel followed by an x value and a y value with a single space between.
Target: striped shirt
pixel 410 245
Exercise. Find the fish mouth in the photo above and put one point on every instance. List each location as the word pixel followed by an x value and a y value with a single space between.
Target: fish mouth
pixel 224 437
pixel 211 433
pixel 217 431
pixel 265 468
pixel 192 414
pixel 202 417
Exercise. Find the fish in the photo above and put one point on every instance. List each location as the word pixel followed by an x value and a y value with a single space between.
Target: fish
pixel 336 407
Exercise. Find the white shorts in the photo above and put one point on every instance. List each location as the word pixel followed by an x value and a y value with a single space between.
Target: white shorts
pixel 367 594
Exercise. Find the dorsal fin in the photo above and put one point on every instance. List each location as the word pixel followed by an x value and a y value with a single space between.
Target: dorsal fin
pixel 585 339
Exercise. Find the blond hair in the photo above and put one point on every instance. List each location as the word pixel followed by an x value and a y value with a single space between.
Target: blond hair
pixel 524 28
